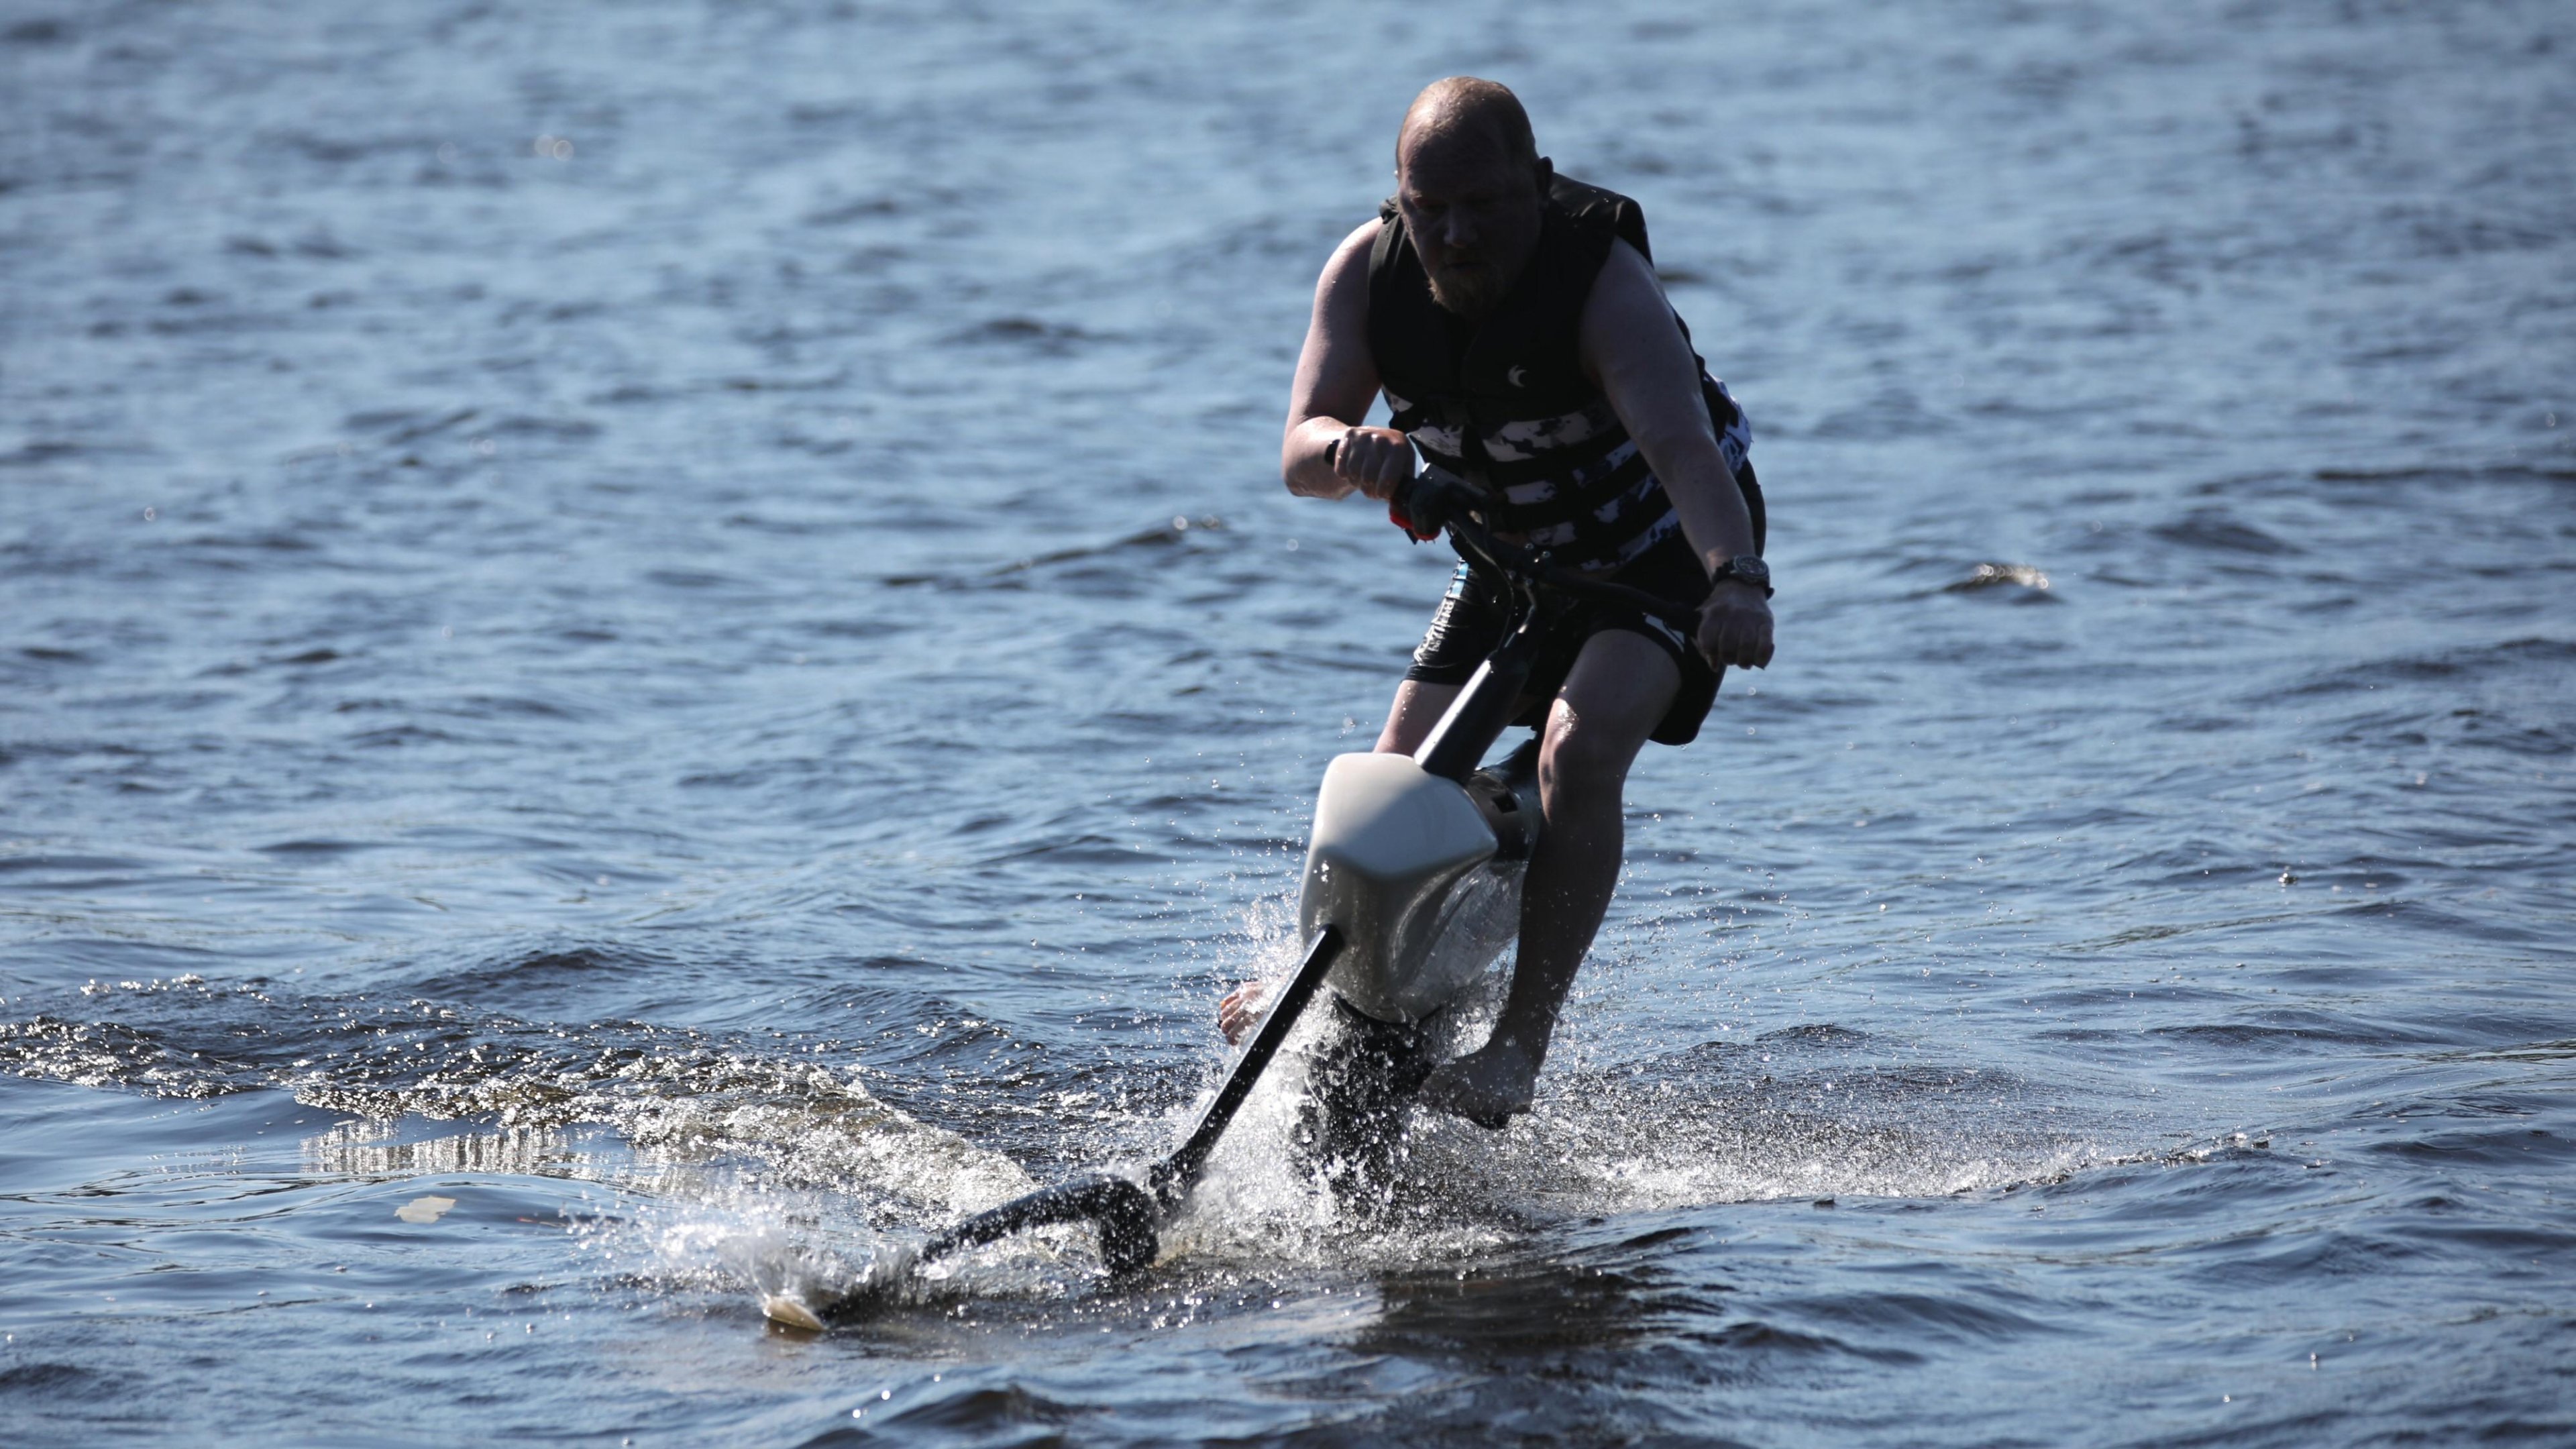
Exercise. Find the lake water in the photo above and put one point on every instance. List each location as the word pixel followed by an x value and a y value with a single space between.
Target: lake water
pixel 672 626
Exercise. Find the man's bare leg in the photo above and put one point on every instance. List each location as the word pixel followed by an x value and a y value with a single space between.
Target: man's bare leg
pixel 1617 691
pixel 1417 708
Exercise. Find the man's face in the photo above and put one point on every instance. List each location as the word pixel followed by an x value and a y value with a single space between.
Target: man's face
pixel 1474 216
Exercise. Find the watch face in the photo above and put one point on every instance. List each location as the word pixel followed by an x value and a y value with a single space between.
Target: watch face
pixel 1750 569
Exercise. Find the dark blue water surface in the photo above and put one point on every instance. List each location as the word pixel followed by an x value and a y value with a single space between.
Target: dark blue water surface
pixel 671 624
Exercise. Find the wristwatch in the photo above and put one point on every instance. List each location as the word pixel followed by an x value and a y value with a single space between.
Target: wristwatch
pixel 1748 568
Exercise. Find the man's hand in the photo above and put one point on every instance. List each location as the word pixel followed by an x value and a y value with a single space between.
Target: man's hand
pixel 1373 460
pixel 1735 626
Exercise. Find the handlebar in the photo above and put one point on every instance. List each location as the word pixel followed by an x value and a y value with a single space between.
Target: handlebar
pixel 1423 506
pixel 1438 503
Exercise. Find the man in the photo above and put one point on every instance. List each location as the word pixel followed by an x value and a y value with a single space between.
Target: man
pixel 1514 321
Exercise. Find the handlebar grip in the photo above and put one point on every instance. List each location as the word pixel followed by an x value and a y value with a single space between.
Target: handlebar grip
pixel 1420 506
pixel 1408 506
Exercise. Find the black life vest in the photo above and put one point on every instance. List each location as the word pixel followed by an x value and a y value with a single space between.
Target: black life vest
pixel 1503 403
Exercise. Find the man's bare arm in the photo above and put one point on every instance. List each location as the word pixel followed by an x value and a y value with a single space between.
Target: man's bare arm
pixel 1633 347
pixel 1336 382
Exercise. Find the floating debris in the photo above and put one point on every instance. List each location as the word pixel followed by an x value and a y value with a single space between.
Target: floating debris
pixel 1997 575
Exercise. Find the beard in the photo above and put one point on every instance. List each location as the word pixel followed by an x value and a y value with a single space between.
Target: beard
pixel 1469 291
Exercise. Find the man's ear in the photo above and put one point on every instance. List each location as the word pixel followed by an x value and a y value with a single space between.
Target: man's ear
pixel 1545 171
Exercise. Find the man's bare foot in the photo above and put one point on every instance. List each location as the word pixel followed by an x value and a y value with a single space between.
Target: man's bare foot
pixel 1240 1011
pixel 1488 1086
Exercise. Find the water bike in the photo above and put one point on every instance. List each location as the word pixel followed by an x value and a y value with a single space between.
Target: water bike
pixel 1412 886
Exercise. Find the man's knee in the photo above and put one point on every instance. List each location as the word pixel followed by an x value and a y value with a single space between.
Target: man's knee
pixel 1583 757
pixel 1611 702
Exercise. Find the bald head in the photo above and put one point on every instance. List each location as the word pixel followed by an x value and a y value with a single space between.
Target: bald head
pixel 1465 116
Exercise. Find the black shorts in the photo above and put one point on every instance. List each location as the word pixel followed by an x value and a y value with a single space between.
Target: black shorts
pixel 1471 617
